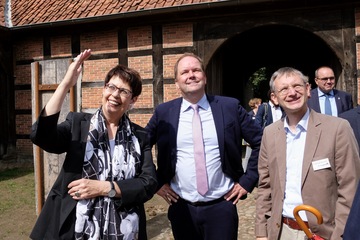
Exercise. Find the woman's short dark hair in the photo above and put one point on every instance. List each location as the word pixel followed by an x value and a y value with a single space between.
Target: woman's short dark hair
pixel 128 75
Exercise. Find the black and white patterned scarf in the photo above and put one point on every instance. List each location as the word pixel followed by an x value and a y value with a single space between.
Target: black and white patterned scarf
pixel 100 217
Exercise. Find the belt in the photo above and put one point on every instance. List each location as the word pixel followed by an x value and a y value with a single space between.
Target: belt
pixel 200 204
pixel 293 224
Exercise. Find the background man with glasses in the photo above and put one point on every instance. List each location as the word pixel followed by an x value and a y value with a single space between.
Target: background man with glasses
pixel 339 101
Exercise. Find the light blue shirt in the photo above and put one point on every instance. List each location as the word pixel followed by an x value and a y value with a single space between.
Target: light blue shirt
pixel 184 181
pixel 295 146
pixel 322 97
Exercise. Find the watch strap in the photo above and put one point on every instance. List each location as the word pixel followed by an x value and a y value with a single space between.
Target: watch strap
pixel 112 191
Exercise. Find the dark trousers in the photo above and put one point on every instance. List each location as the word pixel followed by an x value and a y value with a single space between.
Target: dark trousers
pixel 205 222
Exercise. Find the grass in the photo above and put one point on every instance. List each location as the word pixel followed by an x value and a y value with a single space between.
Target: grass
pixel 17 203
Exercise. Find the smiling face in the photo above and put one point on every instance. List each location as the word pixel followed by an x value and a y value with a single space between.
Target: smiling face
pixel 291 92
pixel 114 104
pixel 190 78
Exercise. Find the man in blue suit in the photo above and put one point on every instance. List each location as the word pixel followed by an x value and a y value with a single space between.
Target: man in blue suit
pixel 353 116
pixel 340 101
pixel 352 231
pixel 213 214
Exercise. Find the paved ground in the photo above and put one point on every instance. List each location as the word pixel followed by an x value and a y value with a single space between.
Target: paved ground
pixel 158 225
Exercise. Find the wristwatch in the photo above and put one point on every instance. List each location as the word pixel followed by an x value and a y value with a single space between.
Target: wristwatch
pixel 112 191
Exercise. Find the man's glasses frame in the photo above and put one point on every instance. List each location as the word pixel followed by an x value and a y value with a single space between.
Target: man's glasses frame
pixel 326 78
pixel 297 87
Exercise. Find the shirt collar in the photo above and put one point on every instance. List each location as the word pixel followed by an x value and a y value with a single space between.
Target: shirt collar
pixel 302 124
pixel 321 93
pixel 202 103
pixel 272 105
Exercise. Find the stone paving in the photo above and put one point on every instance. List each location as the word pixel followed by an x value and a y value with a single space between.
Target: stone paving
pixel 158 225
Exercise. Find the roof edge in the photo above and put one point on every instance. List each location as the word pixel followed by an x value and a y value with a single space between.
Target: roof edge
pixel 140 13
pixel 183 8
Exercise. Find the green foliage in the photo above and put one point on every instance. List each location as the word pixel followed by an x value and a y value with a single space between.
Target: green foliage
pixel 259 82
pixel 258 77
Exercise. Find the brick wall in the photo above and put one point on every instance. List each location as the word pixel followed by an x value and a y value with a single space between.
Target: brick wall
pixel 138 39
pixel 22 74
pixel 100 42
pixel 60 46
pixel 30 49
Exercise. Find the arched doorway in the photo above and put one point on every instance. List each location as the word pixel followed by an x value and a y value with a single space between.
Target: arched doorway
pixel 267 48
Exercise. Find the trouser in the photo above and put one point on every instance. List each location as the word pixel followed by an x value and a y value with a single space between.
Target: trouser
pixel 288 233
pixel 214 221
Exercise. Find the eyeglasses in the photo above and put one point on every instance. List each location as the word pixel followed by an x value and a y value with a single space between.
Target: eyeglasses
pixel 122 91
pixel 285 91
pixel 327 78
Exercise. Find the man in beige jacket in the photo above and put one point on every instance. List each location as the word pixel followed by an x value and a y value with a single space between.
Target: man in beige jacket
pixel 305 158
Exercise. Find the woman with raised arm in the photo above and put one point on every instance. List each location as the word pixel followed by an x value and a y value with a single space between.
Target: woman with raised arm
pixel 108 173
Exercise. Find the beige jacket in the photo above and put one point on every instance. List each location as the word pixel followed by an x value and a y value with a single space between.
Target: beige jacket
pixel 330 190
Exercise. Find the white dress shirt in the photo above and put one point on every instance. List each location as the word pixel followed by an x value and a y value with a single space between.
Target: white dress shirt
pixel 184 181
pixel 295 145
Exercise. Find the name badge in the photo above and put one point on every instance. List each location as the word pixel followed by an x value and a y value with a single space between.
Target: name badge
pixel 321 164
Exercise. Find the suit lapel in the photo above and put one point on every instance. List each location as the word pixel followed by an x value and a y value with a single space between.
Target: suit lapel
pixel 85 125
pixel 174 115
pixel 338 101
pixel 280 138
pixel 357 123
pixel 217 112
pixel 311 143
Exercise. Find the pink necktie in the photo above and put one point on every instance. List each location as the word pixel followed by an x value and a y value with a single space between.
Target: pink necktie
pixel 199 153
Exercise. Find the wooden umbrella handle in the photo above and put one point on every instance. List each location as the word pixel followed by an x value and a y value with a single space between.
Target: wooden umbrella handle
pixel 301 223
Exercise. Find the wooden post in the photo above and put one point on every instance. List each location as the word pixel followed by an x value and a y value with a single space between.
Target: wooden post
pixel 39 168
pixel 39 161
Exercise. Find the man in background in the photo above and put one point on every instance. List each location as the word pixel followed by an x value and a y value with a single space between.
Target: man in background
pixel 353 116
pixel 352 231
pixel 269 112
pixel 325 92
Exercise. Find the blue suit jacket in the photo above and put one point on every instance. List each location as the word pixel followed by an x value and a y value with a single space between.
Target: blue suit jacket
pixel 260 115
pixel 232 123
pixel 268 119
pixel 343 100
pixel 353 116
pixel 352 231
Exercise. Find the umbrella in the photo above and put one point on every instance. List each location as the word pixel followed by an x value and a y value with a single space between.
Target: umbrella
pixel 301 223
